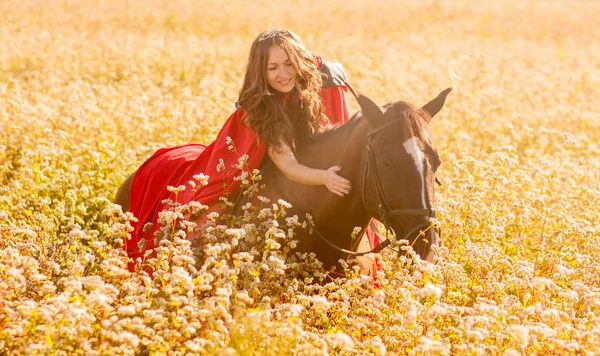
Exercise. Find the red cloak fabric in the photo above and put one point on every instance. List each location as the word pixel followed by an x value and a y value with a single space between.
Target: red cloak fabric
pixel 174 166
pixel 335 105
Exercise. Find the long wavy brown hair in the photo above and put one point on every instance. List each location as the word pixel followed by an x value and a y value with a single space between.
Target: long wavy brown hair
pixel 281 118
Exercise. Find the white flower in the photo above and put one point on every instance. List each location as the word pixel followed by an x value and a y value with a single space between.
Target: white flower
pixel 212 216
pixel 520 333
pixel 166 217
pixel 93 282
pixel 436 310
pixel 27 308
pixel 147 226
pixel 378 298
pixel 475 334
pixel 126 310
pixel 430 289
pixel 342 340
pixel 263 199
pixel 242 161
pixel 271 244
pixel 320 303
pixel 295 309
pixel 284 203
pixel 142 242
pixel 221 165
pixel 265 212
pixel 292 221
pixel 178 189
pixel 47 288
pixel 201 178
pixel 279 265
pixel 97 299
pixel 27 232
pixel 237 233
pixel 243 256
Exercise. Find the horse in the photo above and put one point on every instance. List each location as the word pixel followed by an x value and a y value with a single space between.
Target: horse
pixel 388 155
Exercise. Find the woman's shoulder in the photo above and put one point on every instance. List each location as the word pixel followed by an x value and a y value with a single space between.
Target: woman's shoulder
pixel 334 72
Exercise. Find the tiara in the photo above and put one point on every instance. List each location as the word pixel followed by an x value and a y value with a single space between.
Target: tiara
pixel 274 32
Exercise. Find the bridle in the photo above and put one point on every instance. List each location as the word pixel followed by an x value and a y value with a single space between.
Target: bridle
pixel 385 211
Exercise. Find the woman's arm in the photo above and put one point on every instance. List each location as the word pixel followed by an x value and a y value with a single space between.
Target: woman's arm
pixel 284 159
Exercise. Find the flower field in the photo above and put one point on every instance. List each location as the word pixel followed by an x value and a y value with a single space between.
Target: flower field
pixel 90 89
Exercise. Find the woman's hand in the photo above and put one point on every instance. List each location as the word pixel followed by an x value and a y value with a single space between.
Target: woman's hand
pixel 336 184
pixel 284 159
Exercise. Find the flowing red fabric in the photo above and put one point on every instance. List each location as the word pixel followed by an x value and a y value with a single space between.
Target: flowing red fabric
pixel 335 105
pixel 175 166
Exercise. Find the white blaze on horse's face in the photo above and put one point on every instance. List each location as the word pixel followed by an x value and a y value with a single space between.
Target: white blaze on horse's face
pixel 412 147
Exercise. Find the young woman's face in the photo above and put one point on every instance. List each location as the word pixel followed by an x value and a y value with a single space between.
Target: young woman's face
pixel 280 72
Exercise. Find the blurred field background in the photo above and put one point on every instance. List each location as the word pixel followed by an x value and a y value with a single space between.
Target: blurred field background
pixel 89 89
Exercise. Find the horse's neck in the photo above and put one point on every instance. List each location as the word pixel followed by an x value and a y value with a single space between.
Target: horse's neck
pixel 341 147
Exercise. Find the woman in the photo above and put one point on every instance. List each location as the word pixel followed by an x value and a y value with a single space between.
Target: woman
pixel 282 104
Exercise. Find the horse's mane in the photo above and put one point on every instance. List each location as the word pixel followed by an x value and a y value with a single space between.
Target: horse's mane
pixel 415 121
pixel 334 129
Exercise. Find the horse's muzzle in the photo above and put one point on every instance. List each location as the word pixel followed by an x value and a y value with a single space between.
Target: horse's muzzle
pixel 421 237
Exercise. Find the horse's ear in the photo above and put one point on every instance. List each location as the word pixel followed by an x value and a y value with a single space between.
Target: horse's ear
pixel 369 108
pixel 434 106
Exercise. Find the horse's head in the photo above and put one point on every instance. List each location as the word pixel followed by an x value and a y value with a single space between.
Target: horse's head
pixel 398 169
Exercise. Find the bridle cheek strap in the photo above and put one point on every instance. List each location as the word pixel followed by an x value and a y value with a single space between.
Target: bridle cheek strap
pixel 383 207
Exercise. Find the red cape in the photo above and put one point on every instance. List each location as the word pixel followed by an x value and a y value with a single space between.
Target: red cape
pixel 175 166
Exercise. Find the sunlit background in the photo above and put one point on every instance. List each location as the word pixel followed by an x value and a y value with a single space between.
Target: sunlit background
pixel 89 89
